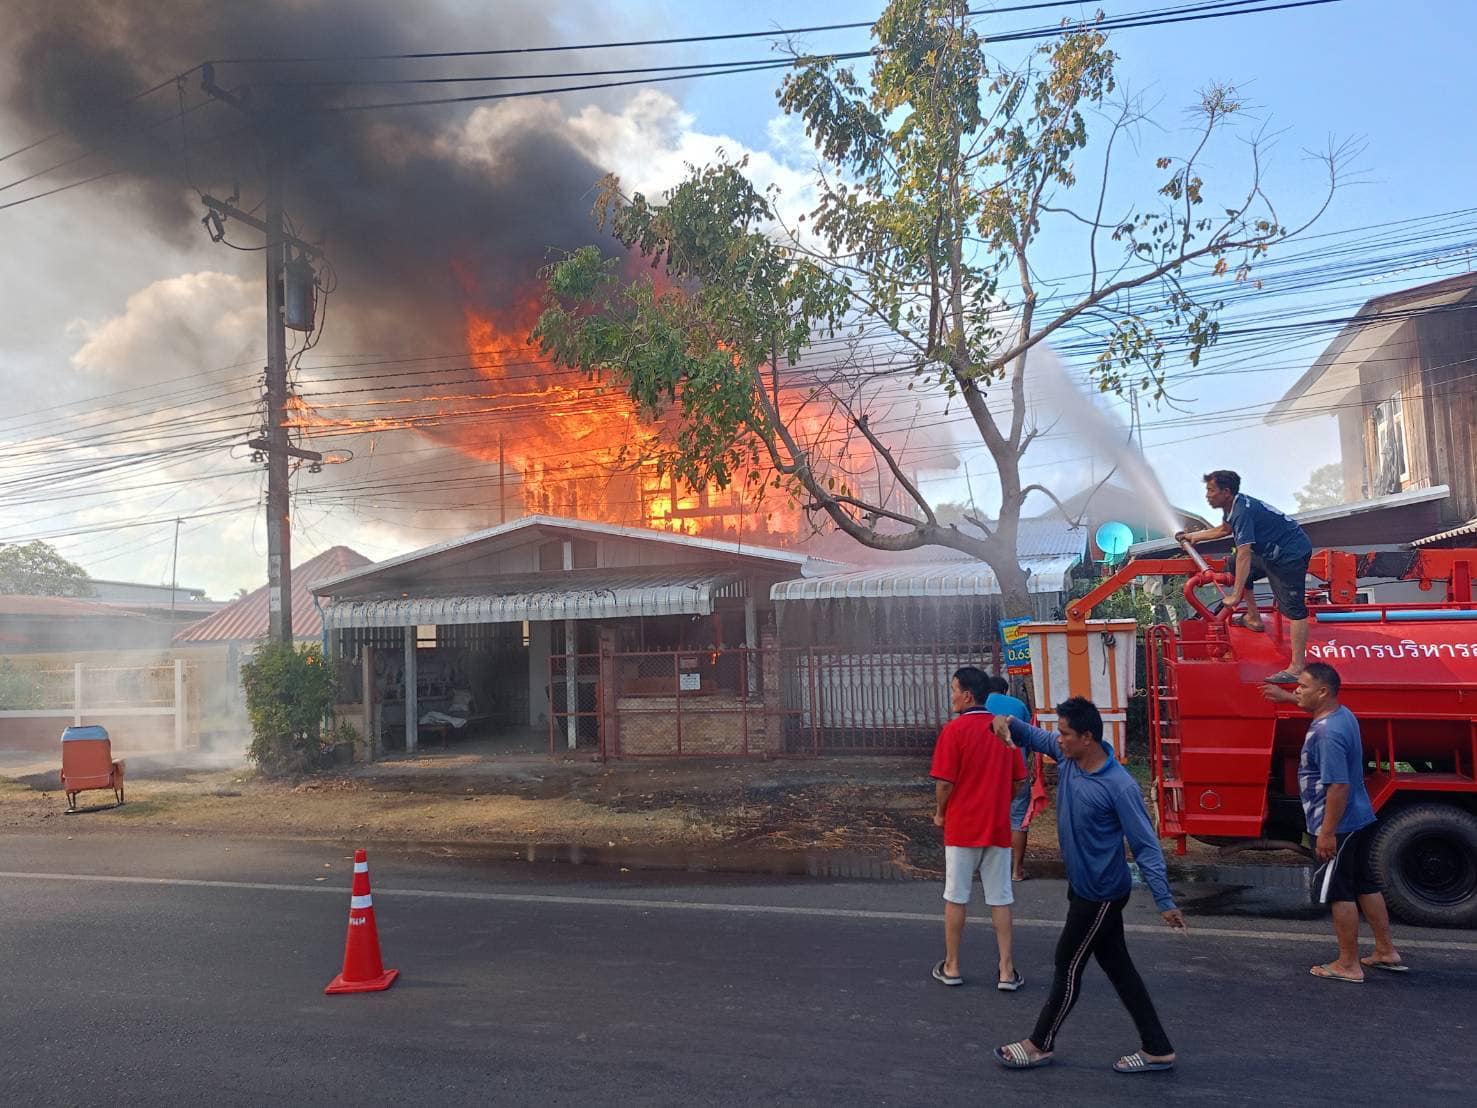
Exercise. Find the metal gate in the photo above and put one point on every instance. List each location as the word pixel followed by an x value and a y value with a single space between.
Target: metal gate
pixel 741 702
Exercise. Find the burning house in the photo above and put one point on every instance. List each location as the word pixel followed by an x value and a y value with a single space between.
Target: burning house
pixel 622 642
pixel 508 629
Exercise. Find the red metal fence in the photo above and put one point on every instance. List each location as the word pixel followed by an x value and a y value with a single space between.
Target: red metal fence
pixel 742 702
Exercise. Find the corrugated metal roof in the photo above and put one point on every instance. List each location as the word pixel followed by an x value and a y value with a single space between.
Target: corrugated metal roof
pixel 57 607
pixel 247 619
pixel 579 594
pixel 1468 528
pixel 559 523
pixel 1037 537
pixel 924 579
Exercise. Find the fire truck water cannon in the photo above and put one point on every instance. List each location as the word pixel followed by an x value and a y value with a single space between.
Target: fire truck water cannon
pixel 1225 759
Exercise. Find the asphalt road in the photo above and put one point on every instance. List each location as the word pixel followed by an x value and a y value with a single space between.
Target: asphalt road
pixel 170 970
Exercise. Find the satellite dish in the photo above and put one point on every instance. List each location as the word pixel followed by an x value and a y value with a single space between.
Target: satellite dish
pixel 1114 539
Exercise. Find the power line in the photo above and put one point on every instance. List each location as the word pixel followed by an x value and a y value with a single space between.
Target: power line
pixel 1163 16
pixel 777 32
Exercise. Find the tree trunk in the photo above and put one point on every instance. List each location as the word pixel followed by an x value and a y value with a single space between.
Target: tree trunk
pixel 1015 599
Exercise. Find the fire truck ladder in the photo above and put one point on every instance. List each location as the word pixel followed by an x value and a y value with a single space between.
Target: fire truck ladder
pixel 1164 735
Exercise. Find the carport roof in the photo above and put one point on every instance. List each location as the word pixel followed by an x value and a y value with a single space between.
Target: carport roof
pixel 924 579
pixel 578 594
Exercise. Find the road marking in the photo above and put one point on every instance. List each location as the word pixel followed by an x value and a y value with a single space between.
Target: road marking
pixel 701 906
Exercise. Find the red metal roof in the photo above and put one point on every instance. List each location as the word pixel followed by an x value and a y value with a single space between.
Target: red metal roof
pixel 245 620
pixel 54 607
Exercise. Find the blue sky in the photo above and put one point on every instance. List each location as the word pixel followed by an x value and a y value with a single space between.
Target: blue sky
pixel 1361 69
pixel 90 308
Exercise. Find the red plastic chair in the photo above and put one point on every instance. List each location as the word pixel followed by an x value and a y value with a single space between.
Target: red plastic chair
pixel 87 763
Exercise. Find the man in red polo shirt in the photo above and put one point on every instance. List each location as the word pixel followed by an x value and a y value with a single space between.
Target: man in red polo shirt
pixel 975 777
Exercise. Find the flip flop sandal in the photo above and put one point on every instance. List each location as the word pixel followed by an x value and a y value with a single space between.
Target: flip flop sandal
pixel 1328 975
pixel 1137 1063
pixel 1388 967
pixel 1012 985
pixel 1014 1056
pixel 1240 621
pixel 945 979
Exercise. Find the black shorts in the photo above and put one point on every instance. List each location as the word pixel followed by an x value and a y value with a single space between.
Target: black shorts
pixel 1289 582
pixel 1348 875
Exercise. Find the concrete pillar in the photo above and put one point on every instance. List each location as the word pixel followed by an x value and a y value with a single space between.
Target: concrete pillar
pixel 412 708
pixel 571 680
pixel 540 646
pixel 366 682
pixel 607 692
pixel 179 704
pixel 774 708
pixel 751 640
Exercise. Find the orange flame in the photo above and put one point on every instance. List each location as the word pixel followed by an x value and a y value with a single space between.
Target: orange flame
pixel 569 445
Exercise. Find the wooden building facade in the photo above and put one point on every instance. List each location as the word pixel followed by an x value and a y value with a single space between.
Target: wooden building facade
pixel 1401 379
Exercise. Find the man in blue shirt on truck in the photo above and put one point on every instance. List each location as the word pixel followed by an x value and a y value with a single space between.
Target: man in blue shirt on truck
pixel 1269 545
pixel 1098 806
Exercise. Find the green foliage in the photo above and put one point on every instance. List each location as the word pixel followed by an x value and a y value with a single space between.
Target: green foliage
pixel 344 740
pixel 289 692
pixel 1325 488
pixel 36 569
pixel 939 170
pixel 17 688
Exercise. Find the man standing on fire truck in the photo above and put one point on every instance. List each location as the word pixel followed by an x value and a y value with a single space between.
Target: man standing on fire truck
pixel 1268 545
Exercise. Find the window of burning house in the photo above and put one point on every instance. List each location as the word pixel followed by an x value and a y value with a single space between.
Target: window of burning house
pixel 1391 464
pixel 551 555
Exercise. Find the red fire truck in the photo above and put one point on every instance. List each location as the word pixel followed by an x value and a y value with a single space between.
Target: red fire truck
pixel 1225 759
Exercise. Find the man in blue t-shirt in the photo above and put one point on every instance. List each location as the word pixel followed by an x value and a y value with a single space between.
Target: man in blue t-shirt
pixel 1269 545
pixel 1001 703
pixel 1341 820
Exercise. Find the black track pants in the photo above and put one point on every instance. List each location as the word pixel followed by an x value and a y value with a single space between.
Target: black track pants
pixel 1095 929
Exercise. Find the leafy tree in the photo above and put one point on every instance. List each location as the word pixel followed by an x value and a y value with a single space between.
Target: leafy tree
pixel 1324 489
pixel 36 569
pixel 939 178
pixel 17 687
pixel 289 692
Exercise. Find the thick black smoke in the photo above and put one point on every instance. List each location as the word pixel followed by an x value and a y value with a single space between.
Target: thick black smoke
pixel 395 205
pixel 415 232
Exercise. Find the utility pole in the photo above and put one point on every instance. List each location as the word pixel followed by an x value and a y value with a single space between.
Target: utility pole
pixel 502 492
pixel 174 572
pixel 273 445
pixel 279 510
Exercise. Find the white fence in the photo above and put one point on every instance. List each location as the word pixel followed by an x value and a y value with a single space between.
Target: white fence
pixel 114 692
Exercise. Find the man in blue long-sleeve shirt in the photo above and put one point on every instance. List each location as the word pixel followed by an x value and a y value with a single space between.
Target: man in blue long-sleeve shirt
pixel 1098 806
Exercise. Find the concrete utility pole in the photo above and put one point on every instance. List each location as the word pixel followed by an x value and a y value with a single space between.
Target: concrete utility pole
pixel 279 510
pixel 274 445
pixel 174 573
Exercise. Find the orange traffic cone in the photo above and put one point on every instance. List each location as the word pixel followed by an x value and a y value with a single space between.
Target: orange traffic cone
pixel 363 971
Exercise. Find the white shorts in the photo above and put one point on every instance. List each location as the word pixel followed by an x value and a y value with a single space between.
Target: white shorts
pixel 993 864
